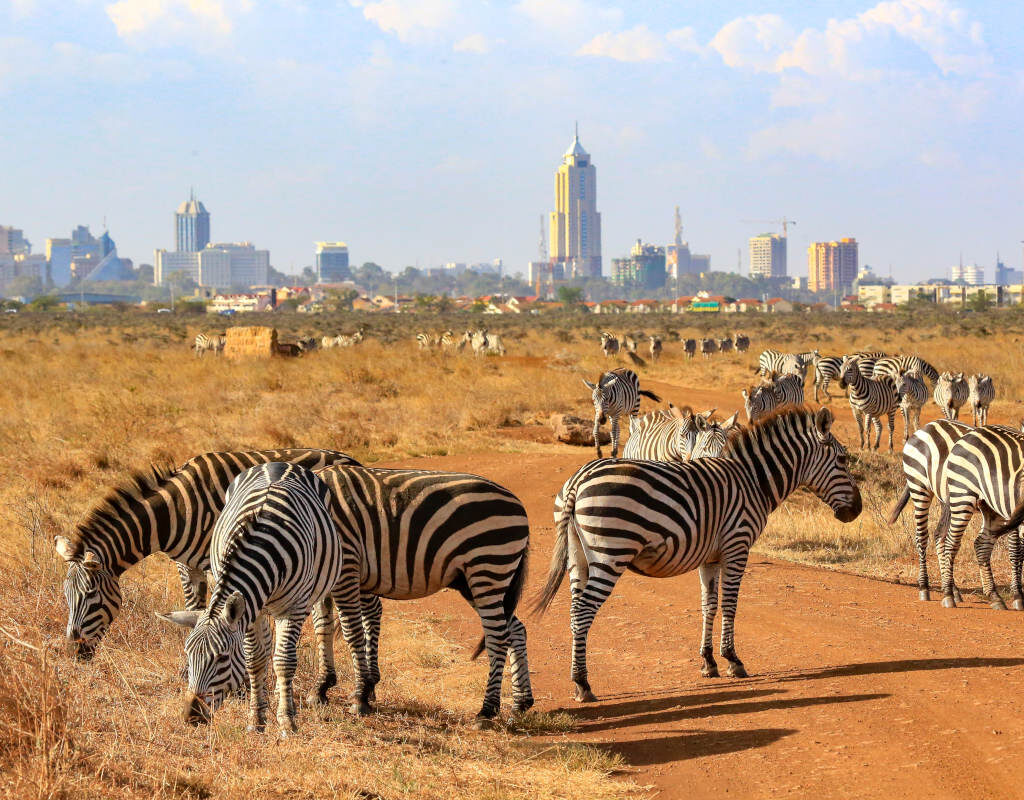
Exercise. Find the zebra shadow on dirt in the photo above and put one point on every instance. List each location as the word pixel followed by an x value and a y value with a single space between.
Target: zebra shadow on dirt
pixel 889 667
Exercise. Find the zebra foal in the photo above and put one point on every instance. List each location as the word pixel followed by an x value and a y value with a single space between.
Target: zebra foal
pixel 951 393
pixel 663 519
pixel 274 548
pixel 616 393
pixel 826 370
pixel 980 394
pixel 913 394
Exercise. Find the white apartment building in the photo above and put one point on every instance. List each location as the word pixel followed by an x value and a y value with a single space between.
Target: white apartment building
pixel 768 255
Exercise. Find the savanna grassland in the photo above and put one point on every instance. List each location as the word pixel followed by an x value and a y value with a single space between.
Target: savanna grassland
pixel 88 398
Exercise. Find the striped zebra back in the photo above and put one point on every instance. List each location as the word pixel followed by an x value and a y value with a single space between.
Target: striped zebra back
pixel 869 396
pixel 827 367
pixel 661 436
pixel 926 451
pixel 986 464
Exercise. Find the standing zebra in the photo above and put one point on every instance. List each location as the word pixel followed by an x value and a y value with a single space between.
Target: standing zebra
pixel 980 394
pixel 616 393
pixel 708 347
pixel 870 399
pixel 725 345
pixel 663 435
pixel 741 342
pixel 209 344
pixel 609 344
pixel 826 370
pixel 951 393
pixel 690 348
pixel 655 347
pixel 913 393
pixel 628 342
pixel 411 533
pixel 781 363
pixel 925 455
pixel 712 436
pixel 663 519
pixel 427 341
pixel 759 401
pixel 984 472
pixel 274 548
pixel 789 389
pixel 894 366
pixel 168 511
pixel 866 362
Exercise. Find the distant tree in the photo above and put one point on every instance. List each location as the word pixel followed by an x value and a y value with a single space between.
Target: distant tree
pixel 24 286
pixel 146 273
pixel 570 296
pixel 340 299
pixel 979 302
pixel 181 282
pixel 189 306
pixel 308 276
pixel 45 302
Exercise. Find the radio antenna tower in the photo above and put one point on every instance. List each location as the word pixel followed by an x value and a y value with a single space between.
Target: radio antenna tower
pixel 679 230
pixel 542 250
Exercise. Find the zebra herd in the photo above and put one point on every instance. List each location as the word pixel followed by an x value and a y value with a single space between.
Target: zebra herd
pixel 214 343
pixel 629 343
pixel 480 341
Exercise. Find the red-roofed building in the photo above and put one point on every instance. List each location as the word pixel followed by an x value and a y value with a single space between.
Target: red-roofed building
pixel 778 305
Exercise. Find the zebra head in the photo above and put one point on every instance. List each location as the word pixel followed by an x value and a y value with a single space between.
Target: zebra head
pixel 598 395
pixel 213 650
pixel 849 371
pixel 826 469
pixel 711 436
pixel 93 595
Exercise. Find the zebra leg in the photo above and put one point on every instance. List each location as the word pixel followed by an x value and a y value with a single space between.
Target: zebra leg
pixel 892 427
pixel 347 599
pixel 522 692
pixel 958 522
pixel 287 636
pixel 583 608
pixel 732 574
pixel 257 656
pixel 615 437
pixel 496 642
pixel 941 531
pixel 876 423
pixel 323 631
pixel 816 384
pixel 372 611
pixel 1013 547
pixel 597 432
pixel 858 417
pixel 709 574
pixel 983 545
pixel 921 506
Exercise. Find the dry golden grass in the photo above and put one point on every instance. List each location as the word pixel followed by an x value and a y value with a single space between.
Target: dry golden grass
pixel 82 407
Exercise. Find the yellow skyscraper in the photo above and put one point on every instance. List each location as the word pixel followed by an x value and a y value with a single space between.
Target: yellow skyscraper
pixel 575 223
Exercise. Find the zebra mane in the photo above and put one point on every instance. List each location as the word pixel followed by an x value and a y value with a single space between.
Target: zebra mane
pixel 777 418
pixel 138 486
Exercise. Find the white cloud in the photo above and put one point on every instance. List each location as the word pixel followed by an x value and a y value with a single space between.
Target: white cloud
pixel 474 43
pixel 684 39
pixel 409 20
pixel 568 15
pixel 754 41
pixel 636 44
pixel 167 18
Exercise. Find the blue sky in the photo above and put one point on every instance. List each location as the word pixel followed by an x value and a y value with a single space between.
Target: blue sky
pixel 422 131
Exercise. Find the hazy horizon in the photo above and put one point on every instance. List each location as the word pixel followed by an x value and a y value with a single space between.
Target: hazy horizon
pixel 425 131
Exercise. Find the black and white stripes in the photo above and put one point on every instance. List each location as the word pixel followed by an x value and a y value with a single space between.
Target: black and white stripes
pixel 615 394
pixel 951 393
pixel 870 400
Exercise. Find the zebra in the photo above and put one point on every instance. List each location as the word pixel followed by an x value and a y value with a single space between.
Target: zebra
pixel 925 455
pixel 980 394
pixel 826 370
pixel 663 435
pixel 870 399
pixel 629 343
pixel 984 473
pixel 789 389
pixel 741 342
pixel 708 347
pixel 493 343
pixel 759 401
pixel 274 548
pixel 616 393
pixel 411 533
pixel 447 341
pixel 609 344
pixel 344 340
pixel 209 344
pixel 690 348
pixel 781 363
pixel 663 519
pixel 655 347
pixel 866 360
pixel 951 393
pixel 725 345
pixel 913 393
pixel 167 510
pixel 712 436
pixel 894 366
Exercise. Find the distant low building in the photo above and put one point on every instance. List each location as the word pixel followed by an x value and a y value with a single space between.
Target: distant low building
pixel 970 274
pixel 332 262
pixel 644 269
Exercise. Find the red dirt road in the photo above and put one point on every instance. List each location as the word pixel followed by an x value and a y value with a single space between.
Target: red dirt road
pixel 857 688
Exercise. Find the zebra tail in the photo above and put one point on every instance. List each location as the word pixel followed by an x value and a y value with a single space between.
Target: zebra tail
pixel 560 556
pixel 651 395
pixel 512 595
pixel 942 525
pixel 1015 521
pixel 897 509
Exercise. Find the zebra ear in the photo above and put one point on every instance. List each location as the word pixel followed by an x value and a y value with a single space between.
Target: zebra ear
pixel 90 562
pixel 730 423
pixel 707 414
pixel 183 619
pixel 234 607
pixel 744 393
pixel 588 384
pixel 823 422
pixel 65 549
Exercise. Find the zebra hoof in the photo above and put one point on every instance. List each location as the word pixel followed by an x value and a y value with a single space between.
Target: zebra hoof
pixel 948 601
pixel 254 728
pixel 957 596
pixel 996 603
pixel 483 724
pixel 736 670
pixel 360 708
pixel 709 671
pixel 524 705
pixel 582 695
pixel 923 594
pixel 1018 604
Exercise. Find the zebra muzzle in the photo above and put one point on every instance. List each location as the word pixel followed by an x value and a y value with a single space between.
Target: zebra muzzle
pixel 851 512
pixel 196 711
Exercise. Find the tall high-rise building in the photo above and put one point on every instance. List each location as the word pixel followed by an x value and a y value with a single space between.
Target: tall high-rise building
pixel 832 266
pixel 191 226
pixel 768 256
pixel 13 241
pixel 575 223
pixel 644 269
pixel 332 262
pixel 971 274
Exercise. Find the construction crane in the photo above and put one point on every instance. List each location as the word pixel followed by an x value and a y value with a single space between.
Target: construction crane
pixel 785 223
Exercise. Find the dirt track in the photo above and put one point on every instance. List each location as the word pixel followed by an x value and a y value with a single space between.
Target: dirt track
pixel 857 688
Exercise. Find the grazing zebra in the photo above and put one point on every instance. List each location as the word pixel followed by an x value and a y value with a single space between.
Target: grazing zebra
pixel 169 511
pixel 980 394
pixel 759 401
pixel 951 393
pixel 663 435
pixel 615 394
pixel 343 340
pixel 447 341
pixel 712 436
pixel 629 343
pixel 274 549
pixel 662 519
pixel 412 533
pixel 690 348
pixel 781 363
pixel 430 341
pixel 708 347
pixel 493 343
pixel 925 455
pixel 741 342
pixel 913 393
pixel 209 344
pixel 866 360
pixel 725 345
pixel 789 389
pixel 655 347
pixel 984 472
pixel 894 366
pixel 609 344
pixel 826 370
pixel 870 399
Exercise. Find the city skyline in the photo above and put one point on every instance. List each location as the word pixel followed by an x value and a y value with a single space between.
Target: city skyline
pixel 375 122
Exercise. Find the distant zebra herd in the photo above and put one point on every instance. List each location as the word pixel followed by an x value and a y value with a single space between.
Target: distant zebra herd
pixel 480 341
pixel 214 343
pixel 611 345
